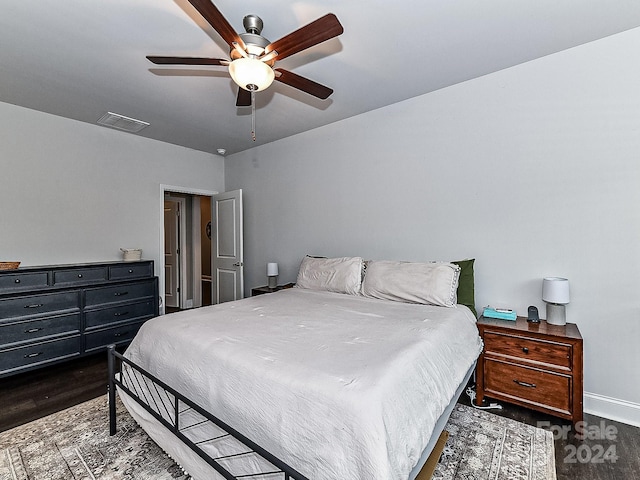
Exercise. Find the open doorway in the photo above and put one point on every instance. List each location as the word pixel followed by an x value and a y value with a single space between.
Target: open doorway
pixel 187 250
pixel 207 238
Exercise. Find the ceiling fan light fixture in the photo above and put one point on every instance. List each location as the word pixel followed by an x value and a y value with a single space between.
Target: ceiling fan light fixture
pixel 251 74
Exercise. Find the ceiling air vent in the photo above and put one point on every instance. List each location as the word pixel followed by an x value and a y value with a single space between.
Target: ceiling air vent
pixel 121 122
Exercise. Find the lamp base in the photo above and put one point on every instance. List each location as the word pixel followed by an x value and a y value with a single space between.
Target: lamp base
pixel 273 281
pixel 556 314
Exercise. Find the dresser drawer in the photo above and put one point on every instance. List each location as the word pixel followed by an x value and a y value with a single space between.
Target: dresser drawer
pixel 528 385
pixel 79 276
pixel 528 349
pixel 15 282
pixel 121 313
pixel 30 330
pixel 39 353
pixel 133 270
pixel 116 335
pixel 37 304
pixel 119 293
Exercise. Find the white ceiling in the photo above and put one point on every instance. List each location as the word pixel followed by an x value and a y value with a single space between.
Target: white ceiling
pixel 82 58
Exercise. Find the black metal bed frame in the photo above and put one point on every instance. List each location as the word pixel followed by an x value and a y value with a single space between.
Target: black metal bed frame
pixel 168 406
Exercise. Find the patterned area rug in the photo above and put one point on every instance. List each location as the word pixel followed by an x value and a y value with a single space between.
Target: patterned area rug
pixel 75 444
pixel 483 446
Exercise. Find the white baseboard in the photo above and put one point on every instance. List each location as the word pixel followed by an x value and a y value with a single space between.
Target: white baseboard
pixel 612 408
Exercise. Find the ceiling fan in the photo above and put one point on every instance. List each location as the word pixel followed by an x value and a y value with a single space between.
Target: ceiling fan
pixel 253 56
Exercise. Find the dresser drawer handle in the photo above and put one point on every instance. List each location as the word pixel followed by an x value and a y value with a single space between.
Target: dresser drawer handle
pixel 120 294
pixel 33 355
pixel 35 305
pixel 79 275
pixel 33 330
pixel 525 349
pixel 17 280
pixel 525 384
pixel 120 314
pixel 120 334
pixel 130 271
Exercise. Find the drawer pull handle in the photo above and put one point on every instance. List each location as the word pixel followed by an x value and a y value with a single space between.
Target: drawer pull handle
pixel 525 384
pixel 525 349
pixel 17 280
pixel 120 294
pixel 33 330
pixel 130 271
pixel 35 305
pixel 79 275
pixel 120 314
pixel 120 334
pixel 33 355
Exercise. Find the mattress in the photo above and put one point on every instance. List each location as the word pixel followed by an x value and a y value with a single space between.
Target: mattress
pixel 337 386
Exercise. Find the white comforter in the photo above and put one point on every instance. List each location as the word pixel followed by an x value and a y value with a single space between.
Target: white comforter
pixel 337 386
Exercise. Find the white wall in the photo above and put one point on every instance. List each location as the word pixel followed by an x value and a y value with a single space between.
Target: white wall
pixel 534 171
pixel 73 192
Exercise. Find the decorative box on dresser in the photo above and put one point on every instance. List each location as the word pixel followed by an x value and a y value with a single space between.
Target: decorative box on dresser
pixel 535 365
pixel 52 313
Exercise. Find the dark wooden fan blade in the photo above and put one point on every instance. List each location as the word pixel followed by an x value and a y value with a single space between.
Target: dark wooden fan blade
pixel 220 24
pixel 244 98
pixel 304 84
pixel 312 34
pixel 187 61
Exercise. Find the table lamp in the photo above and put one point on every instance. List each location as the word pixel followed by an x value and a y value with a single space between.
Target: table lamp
pixel 555 292
pixel 272 273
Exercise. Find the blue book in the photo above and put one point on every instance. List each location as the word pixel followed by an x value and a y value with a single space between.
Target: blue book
pixel 501 313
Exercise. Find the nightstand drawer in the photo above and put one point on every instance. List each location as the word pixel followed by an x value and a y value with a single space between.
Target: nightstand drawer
pixel 528 349
pixel 528 385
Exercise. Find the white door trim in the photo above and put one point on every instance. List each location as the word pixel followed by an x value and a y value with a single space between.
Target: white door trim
pixel 182 248
pixel 160 261
pixel 172 233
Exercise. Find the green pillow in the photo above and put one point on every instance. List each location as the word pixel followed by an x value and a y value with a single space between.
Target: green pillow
pixel 466 289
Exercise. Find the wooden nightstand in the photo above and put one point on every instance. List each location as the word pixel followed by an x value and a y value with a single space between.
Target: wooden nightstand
pixel 265 289
pixel 535 365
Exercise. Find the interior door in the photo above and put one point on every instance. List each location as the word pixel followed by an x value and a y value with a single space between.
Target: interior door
pixel 227 258
pixel 171 253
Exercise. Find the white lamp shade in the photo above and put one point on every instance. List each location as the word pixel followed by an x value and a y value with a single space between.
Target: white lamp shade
pixel 251 74
pixel 555 290
pixel 272 269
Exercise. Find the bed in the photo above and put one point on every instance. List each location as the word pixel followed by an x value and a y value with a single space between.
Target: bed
pixel 312 383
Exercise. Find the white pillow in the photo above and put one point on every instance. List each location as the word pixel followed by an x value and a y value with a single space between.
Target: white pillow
pixel 427 283
pixel 341 275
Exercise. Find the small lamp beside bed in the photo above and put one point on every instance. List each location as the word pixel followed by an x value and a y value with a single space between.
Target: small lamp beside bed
pixel 272 274
pixel 555 292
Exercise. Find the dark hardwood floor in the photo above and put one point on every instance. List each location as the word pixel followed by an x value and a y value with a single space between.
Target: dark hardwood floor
pixel 609 451
pixel 28 396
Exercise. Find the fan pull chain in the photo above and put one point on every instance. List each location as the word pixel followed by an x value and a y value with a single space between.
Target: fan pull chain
pixel 253 115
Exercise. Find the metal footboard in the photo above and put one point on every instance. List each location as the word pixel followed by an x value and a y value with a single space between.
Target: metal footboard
pixel 190 423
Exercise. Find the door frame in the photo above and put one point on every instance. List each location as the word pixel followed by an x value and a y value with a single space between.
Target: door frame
pixel 182 245
pixel 163 190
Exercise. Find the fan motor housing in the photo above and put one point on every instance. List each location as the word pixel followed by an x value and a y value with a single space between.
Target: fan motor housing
pixel 255 43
